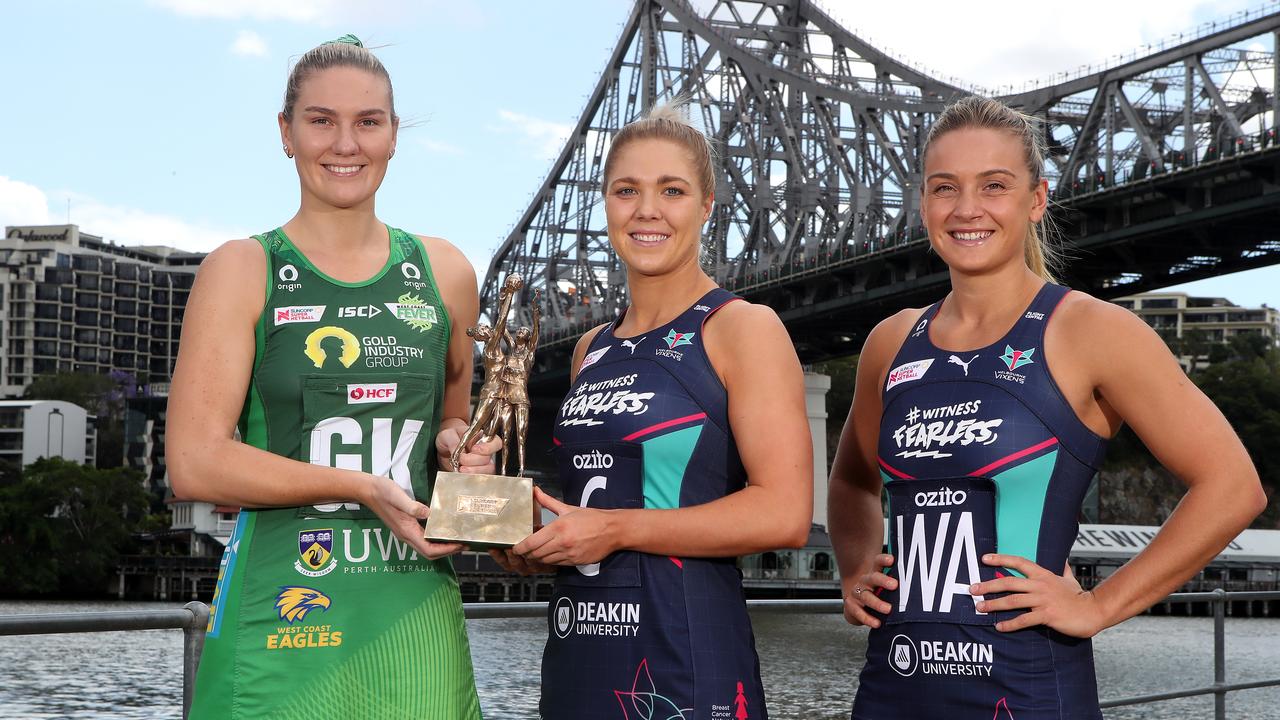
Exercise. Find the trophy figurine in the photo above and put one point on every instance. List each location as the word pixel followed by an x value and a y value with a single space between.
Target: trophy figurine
pixel 493 510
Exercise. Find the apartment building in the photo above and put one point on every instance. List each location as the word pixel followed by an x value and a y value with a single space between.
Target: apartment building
pixel 73 302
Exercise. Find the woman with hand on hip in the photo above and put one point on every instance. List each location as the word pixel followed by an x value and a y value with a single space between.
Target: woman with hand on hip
pixel 683 442
pixel 329 603
pixel 984 417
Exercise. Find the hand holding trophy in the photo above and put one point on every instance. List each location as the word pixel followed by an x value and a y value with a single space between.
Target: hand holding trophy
pixel 492 510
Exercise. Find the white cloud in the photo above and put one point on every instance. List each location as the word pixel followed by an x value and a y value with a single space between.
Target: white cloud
pixel 990 46
pixel 329 12
pixel 302 11
pixel 546 136
pixel 24 204
pixel 249 44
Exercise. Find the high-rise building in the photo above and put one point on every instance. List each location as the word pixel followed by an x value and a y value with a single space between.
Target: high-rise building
pixel 73 302
pixel 34 429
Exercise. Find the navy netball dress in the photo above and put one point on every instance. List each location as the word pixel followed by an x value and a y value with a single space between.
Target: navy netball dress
pixel 979 452
pixel 640 636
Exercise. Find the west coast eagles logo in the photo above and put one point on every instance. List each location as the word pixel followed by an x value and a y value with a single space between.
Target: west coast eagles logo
pixel 315 553
pixel 295 602
pixel 317 355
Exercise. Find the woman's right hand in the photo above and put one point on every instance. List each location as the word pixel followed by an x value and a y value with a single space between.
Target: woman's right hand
pixel 403 514
pixel 862 595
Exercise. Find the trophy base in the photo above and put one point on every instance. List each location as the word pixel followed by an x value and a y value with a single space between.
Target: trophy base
pixel 480 511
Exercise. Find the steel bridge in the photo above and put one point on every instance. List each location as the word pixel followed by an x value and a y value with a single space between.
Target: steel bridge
pixel 1163 166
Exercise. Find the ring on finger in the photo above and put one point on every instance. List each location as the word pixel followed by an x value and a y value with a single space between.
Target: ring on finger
pixel 858 590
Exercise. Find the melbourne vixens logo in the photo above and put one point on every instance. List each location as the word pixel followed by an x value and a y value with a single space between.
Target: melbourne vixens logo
pixel 1014 359
pixel 674 340
pixel 1017 358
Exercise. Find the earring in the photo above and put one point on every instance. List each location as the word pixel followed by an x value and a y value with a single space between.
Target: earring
pixel 391 154
pixel 287 153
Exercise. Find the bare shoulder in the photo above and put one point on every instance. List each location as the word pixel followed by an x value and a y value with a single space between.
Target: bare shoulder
pixel 886 337
pixel 1088 327
pixel 742 320
pixel 235 272
pixel 445 257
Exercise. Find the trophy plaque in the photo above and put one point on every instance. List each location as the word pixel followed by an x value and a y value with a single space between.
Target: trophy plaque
pixel 480 510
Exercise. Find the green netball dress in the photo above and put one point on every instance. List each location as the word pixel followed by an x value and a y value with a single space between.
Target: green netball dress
pixel 320 611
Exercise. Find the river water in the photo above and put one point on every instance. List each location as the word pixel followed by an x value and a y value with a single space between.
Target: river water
pixel 810 665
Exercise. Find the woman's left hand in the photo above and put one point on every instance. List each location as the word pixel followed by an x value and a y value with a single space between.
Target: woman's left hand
pixel 578 536
pixel 1053 600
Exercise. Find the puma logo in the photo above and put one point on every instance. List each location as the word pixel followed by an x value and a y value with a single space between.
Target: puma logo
pixel 957 361
pixel 632 345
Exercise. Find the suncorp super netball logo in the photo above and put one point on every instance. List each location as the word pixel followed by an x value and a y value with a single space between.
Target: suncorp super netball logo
pixel 359 394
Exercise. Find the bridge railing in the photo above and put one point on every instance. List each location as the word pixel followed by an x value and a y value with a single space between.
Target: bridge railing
pixel 194 616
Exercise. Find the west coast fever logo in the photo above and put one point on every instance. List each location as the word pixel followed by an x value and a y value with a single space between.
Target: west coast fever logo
pixel 378 350
pixel 414 312
pixel 315 553
pixel 927 430
pixel 607 397
pixel 294 603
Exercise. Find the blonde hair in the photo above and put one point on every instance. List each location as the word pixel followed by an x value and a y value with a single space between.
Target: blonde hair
pixel 978 112
pixel 346 51
pixel 669 121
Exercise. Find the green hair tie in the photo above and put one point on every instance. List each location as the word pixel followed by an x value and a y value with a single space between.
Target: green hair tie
pixel 349 39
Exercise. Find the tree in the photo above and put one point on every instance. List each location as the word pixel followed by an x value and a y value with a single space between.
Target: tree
pixel 104 396
pixel 63 527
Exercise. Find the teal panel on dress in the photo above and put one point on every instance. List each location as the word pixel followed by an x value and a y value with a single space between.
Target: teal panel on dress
pixel 1020 493
pixel 665 460
pixel 886 478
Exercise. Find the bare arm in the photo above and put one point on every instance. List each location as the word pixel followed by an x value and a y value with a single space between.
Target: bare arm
pixel 753 353
pixel 854 512
pixel 1134 373
pixel 215 361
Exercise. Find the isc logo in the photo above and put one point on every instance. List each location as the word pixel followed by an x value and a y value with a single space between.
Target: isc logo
pixel 364 311
pixel 371 393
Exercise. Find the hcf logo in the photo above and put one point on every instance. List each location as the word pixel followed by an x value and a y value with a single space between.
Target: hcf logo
pixel 371 393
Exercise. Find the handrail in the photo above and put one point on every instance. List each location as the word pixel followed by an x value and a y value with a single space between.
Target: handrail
pixel 194 616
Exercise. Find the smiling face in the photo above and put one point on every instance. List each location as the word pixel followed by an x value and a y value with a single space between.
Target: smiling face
pixel 342 134
pixel 654 206
pixel 979 200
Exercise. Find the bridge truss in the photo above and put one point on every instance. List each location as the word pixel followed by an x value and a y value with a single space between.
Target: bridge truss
pixel 1152 162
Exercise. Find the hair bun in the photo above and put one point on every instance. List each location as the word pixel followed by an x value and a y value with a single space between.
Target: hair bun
pixel 349 39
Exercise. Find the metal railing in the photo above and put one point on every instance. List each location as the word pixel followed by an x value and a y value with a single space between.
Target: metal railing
pixel 194 616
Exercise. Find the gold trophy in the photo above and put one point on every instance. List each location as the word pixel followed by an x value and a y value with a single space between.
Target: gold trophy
pixel 493 510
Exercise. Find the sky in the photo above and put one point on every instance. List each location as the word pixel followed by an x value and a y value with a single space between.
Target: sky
pixel 154 121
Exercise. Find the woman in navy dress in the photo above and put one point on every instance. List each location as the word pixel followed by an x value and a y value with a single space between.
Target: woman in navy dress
pixel 983 418
pixel 682 444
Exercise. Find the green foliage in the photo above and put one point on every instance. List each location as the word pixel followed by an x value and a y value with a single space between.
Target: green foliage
pixel 1244 382
pixel 1247 390
pixel 102 395
pixel 63 527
